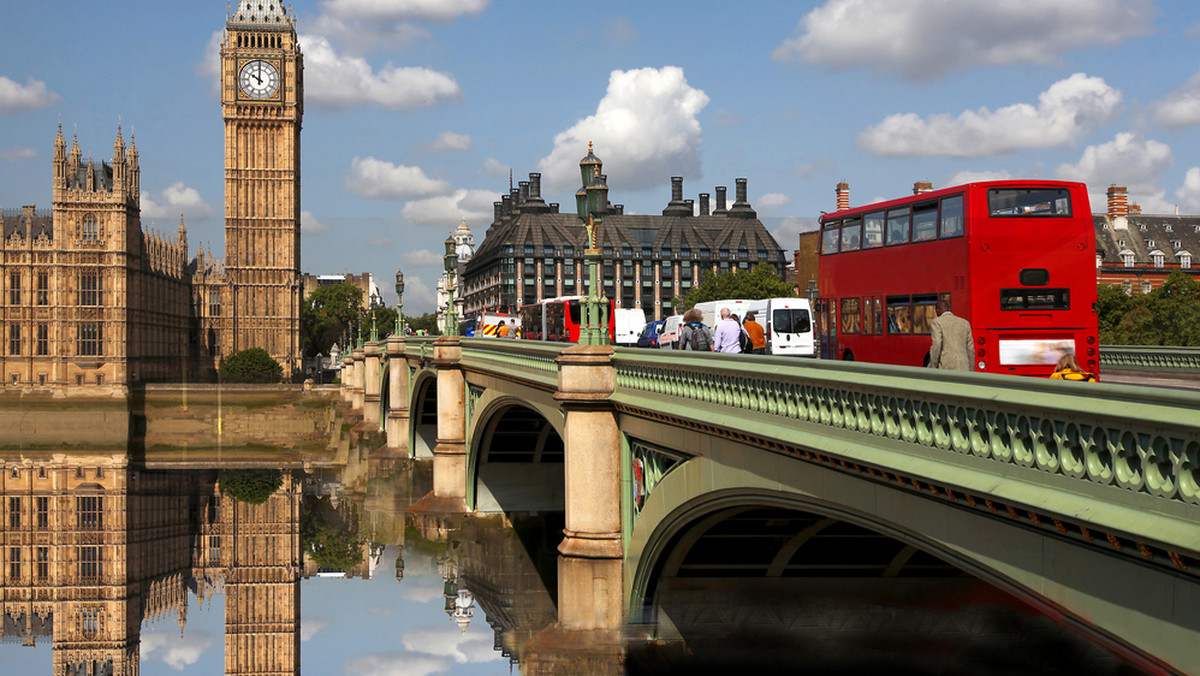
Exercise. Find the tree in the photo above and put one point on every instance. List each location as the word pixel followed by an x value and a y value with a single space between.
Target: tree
pixel 331 539
pixel 1111 306
pixel 251 486
pixel 1169 315
pixel 760 282
pixel 325 317
pixel 252 365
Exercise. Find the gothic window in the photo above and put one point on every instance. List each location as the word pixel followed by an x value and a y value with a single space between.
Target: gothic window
pixel 14 339
pixel 214 304
pixel 89 622
pixel 14 289
pixel 43 340
pixel 43 288
pixel 90 511
pixel 89 340
pixel 14 563
pixel 43 563
pixel 91 288
pixel 90 565
pixel 43 512
pixel 14 513
pixel 88 229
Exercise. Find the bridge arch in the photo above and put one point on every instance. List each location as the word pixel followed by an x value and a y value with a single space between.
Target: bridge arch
pixel 1057 579
pixel 515 455
pixel 423 408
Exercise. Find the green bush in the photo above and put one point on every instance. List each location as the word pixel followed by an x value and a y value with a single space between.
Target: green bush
pixel 253 365
pixel 251 486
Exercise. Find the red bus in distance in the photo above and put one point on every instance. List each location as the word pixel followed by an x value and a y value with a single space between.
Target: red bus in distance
pixel 558 320
pixel 1017 259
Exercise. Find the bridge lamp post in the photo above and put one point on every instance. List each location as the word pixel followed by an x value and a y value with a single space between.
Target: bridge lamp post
pixel 591 201
pixel 399 302
pixel 451 261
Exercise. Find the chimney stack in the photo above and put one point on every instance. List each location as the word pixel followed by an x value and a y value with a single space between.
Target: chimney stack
pixel 1118 206
pixel 721 210
pixel 741 208
pixel 533 202
pixel 843 196
pixel 703 204
pixel 677 207
pixel 497 211
pixel 921 187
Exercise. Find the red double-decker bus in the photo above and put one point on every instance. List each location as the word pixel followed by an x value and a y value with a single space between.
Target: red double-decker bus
pixel 558 320
pixel 1014 258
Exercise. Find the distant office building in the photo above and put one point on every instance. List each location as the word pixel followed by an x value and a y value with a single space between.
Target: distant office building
pixel 364 283
pixel 464 247
pixel 532 251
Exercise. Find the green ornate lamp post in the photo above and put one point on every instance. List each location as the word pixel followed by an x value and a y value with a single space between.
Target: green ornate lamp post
pixel 399 302
pixel 591 203
pixel 451 261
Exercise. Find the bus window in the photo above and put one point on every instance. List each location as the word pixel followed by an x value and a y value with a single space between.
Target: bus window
pixel 924 310
pixel 1037 202
pixel 873 230
pixel 897 222
pixel 872 317
pixel 829 238
pixel 851 233
pixel 924 222
pixel 1035 299
pixel 899 315
pixel 952 216
pixel 850 315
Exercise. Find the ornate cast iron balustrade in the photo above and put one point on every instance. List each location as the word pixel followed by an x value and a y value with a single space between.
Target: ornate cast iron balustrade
pixel 1142 440
pixel 1165 360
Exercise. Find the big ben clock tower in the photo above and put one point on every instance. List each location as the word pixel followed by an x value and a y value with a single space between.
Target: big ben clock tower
pixel 262 98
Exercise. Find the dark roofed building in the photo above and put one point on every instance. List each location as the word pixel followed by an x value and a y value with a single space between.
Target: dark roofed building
pixel 532 251
pixel 1138 251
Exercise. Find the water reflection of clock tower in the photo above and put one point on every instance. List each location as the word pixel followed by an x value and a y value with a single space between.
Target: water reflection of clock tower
pixel 262 98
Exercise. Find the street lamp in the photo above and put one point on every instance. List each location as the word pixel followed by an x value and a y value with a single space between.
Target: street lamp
pixel 591 202
pixel 399 302
pixel 451 261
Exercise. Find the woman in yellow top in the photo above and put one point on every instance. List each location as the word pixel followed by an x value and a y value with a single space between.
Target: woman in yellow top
pixel 1068 369
pixel 758 340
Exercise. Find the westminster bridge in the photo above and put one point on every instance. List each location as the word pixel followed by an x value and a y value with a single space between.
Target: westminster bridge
pixel 1080 501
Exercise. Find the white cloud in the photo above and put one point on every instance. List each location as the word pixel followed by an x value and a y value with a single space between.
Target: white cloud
pixel 449 140
pixel 337 82
pixel 971 176
pixel 925 39
pixel 175 200
pixel 421 257
pixel 421 591
pixel 448 210
pixel 448 641
pixel 645 130
pixel 377 179
pixel 310 626
pixel 18 98
pixel 1181 107
pixel 17 154
pixel 418 298
pixel 1129 160
pixel 1189 193
pixel 1067 110
pixel 772 200
pixel 621 31
pixel 309 224
pixel 404 10
pixel 494 167
pixel 787 231
pixel 174 651
pixel 396 664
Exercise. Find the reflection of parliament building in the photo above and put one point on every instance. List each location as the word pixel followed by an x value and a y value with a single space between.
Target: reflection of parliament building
pixel 88 299
pixel 88 552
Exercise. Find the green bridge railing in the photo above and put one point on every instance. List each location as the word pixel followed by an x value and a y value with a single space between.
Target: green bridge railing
pixel 1166 360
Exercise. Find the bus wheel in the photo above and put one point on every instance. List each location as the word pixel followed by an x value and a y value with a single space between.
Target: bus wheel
pixel 847 356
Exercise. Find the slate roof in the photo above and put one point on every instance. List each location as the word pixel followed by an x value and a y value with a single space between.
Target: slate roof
pixel 1170 234
pixel 14 222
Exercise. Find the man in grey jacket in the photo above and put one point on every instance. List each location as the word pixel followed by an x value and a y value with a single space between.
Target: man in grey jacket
pixel 952 346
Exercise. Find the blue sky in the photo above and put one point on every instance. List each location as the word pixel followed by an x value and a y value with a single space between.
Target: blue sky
pixel 416 110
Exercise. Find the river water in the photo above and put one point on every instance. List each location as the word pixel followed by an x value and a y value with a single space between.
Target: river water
pixel 107 563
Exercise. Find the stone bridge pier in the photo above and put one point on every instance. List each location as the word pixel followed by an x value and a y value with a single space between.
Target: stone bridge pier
pixel 445 506
pixel 397 409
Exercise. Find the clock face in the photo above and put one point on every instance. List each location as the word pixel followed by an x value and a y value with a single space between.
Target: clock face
pixel 259 79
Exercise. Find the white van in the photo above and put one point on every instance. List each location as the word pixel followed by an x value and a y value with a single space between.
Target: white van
pixel 670 334
pixel 788 324
pixel 711 310
pixel 627 325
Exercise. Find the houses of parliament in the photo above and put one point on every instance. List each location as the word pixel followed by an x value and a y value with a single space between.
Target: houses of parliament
pixel 89 300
